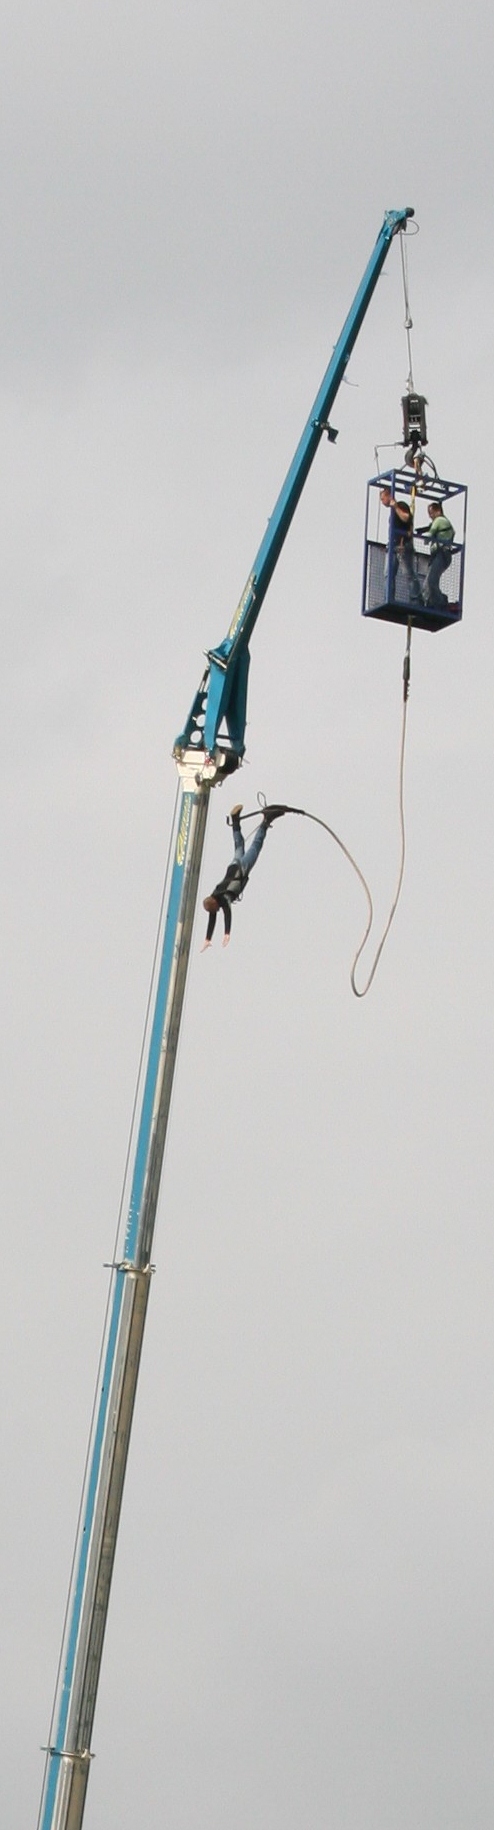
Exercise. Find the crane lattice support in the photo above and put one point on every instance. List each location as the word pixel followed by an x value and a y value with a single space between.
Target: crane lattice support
pixel 210 746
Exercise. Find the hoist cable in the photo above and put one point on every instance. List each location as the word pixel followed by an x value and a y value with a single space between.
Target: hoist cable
pixel 317 821
pixel 408 316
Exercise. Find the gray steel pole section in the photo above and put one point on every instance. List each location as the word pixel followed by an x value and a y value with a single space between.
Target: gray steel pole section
pixel 68 1761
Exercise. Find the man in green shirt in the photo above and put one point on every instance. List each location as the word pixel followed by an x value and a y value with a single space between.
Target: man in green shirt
pixel 441 535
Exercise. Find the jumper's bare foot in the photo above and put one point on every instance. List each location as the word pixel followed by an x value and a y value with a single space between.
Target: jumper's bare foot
pixel 226 938
pixel 205 944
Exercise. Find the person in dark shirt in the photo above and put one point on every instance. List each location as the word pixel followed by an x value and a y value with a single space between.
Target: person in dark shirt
pixel 237 876
pixel 401 546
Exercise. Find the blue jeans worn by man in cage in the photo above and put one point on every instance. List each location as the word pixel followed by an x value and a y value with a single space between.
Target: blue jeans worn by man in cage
pixel 436 598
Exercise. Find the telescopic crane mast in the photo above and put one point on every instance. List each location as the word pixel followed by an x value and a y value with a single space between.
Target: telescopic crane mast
pixel 210 747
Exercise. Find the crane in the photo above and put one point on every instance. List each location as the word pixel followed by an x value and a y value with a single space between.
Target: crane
pixel 209 748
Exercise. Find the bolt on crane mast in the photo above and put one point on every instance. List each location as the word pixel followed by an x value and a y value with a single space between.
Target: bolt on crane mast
pixel 210 747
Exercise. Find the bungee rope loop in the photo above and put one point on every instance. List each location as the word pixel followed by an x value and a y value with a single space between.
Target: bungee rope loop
pixel 361 992
pixel 401 872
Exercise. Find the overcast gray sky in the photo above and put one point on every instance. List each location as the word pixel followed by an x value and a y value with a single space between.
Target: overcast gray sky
pixel 300 1630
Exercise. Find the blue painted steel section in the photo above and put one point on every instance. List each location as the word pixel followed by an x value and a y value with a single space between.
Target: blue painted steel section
pixel 143 1141
pixel 137 1191
pixel 224 659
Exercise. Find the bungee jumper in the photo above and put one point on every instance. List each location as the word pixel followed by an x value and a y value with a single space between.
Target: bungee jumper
pixel 237 875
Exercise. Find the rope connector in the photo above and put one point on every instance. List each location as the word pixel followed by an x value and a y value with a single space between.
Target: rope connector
pixel 406 662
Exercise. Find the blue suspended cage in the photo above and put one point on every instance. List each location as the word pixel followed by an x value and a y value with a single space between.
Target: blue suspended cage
pixel 403 580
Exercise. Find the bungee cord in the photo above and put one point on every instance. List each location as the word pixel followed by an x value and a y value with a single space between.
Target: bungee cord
pixel 408 315
pixel 361 991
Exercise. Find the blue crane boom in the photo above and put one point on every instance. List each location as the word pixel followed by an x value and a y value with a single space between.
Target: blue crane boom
pixel 210 747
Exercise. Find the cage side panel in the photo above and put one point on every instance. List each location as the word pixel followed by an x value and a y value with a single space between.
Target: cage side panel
pixel 377 583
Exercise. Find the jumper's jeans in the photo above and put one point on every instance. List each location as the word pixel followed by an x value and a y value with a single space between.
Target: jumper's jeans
pixel 248 858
